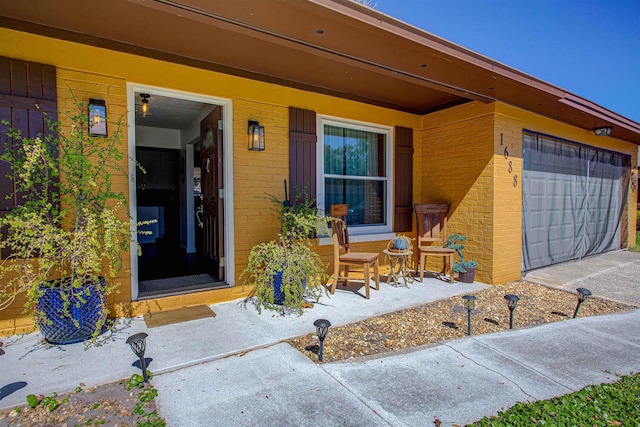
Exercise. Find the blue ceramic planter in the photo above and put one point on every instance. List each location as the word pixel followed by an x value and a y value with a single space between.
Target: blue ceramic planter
pixel 278 294
pixel 75 324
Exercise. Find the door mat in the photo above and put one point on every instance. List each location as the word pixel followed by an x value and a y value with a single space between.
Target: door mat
pixel 179 315
pixel 191 282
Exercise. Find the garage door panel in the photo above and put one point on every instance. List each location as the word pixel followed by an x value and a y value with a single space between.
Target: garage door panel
pixel 573 200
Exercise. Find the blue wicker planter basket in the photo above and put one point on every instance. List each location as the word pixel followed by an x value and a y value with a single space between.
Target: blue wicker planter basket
pixel 278 295
pixel 76 323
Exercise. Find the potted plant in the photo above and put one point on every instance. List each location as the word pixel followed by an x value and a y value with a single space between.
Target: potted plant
pixel 466 269
pixel 67 238
pixel 284 270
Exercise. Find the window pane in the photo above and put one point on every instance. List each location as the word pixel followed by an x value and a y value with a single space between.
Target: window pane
pixel 365 199
pixel 208 139
pixel 353 152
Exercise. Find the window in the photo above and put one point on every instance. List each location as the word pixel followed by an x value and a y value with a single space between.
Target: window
pixel 354 167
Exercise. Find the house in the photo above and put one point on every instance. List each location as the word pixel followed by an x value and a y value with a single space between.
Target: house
pixel 355 107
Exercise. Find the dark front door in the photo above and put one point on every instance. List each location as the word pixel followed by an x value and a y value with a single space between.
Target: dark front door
pixel 212 242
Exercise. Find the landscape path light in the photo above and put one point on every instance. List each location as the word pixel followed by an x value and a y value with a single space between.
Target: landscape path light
pixel 469 304
pixel 512 301
pixel 138 345
pixel 322 327
pixel 583 294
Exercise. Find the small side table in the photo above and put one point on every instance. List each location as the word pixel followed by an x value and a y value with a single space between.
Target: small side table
pixel 398 262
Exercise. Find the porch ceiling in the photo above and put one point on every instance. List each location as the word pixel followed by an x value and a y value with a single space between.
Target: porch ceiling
pixel 335 47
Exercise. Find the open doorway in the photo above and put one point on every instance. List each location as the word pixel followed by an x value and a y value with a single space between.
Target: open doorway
pixel 180 250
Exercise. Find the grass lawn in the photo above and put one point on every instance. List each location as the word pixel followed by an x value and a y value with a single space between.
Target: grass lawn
pixel 614 404
pixel 637 247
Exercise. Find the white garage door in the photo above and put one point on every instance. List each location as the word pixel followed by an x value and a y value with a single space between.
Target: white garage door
pixel 573 200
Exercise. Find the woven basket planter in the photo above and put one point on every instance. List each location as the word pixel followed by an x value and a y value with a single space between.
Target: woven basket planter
pixel 78 321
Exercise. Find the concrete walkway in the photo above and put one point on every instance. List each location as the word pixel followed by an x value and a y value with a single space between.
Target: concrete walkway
pixel 614 276
pixel 236 329
pixel 234 369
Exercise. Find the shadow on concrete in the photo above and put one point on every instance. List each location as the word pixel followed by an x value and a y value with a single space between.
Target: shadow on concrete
pixel 11 388
pixel 147 361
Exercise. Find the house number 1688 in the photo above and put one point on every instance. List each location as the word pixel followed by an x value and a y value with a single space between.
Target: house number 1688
pixel 506 156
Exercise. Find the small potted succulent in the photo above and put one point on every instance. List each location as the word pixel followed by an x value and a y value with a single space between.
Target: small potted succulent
pixel 466 269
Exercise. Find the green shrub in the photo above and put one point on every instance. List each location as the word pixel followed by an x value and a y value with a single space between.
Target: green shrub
pixel 289 256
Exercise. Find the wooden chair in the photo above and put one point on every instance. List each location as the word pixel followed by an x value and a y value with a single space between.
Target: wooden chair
pixel 431 222
pixel 348 258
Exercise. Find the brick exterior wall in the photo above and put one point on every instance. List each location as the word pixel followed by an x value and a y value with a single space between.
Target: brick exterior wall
pixel 457 161
pixel 85 85
pixel 507 200
pixel 256 173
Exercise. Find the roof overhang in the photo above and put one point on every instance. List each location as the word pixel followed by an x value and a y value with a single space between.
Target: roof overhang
pixel 336 47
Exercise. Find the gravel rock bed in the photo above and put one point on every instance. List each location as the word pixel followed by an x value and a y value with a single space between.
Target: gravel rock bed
pixel 445 320
pixel 105 405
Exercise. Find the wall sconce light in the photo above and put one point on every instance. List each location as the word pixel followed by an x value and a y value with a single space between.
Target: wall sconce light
pixel 144 104
pixel 604 131
pixel 256 136
pixel 97 117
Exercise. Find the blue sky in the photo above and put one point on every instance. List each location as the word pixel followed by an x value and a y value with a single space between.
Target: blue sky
pixel 589 47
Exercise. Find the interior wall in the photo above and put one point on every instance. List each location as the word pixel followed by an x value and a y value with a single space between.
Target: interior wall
pixel 187 204
pixel 157 137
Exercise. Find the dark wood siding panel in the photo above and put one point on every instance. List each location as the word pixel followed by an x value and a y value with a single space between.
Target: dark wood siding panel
pixel 34 80
pixel 19 117
pixel 19 78
pixel 302 153
pixel 5 114
pixel 403 179
pixel 6 186
pixel 5 75
pixel 27 91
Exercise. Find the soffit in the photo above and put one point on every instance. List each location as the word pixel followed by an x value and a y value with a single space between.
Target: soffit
pixel 330 46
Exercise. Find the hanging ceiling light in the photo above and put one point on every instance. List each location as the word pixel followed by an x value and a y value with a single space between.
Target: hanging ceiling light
pixel 144 107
